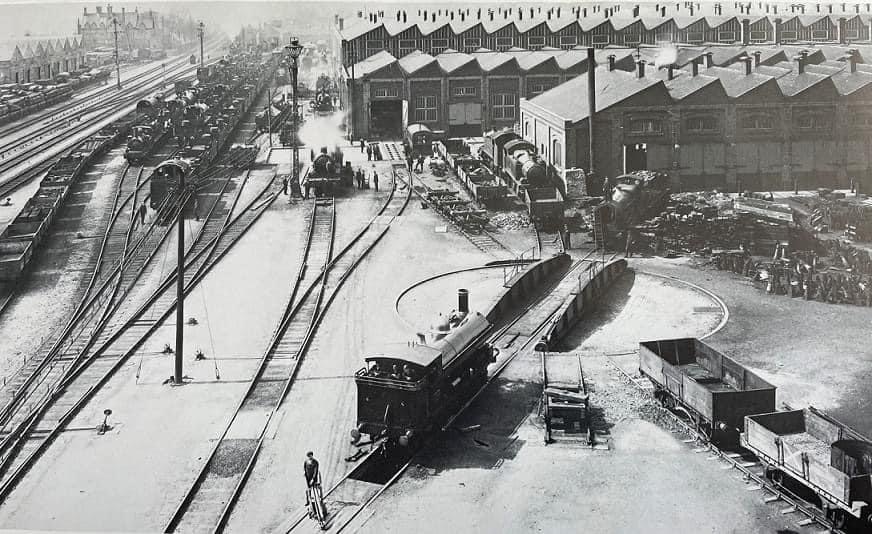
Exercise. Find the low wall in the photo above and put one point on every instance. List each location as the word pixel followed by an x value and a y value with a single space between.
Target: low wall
pixel 526 283
pixel 582 300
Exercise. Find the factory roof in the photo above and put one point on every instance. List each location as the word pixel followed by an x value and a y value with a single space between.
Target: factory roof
pixel 415 61
pixel 451 60
pixel 612 87
pixel 373 64
pixel 684 84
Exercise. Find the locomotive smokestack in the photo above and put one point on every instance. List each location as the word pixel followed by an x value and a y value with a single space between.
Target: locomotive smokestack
pixel 463 300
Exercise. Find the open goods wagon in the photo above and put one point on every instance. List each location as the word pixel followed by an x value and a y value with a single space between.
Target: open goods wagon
pixel 829 458
pixel 713 390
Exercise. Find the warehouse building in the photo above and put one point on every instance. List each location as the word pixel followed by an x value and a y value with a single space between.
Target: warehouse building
pixel 456 93
pixel 39 59
pixel 770 119
pixel 534 28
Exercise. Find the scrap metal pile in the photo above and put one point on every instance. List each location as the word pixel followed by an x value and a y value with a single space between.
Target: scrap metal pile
pixel 833 211
pixel 702 222
pixel 449 204
pixel 841 274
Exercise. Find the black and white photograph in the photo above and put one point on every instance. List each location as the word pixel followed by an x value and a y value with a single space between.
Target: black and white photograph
pixel 444 267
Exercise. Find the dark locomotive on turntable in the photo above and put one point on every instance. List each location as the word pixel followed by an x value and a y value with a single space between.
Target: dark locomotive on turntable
pixel 408 391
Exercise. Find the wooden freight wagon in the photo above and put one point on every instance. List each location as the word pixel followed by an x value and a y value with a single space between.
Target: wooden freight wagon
pixel 820 453
pixel 480 181
pixel 545 203
pixel 714 391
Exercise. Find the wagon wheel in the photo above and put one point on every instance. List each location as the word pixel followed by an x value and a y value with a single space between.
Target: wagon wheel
pixel 706 431
pixel 838 517
pixel 777 476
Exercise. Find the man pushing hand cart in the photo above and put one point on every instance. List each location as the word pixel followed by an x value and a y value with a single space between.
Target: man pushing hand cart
pixel 314 495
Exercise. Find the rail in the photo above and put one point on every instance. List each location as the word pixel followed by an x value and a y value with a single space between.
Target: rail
pixel 341 522
pixel 25 429
pixel 739 460
pixel 286 351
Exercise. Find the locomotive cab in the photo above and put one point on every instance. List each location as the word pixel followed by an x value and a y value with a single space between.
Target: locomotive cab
pixel 393 392
pixel 412 389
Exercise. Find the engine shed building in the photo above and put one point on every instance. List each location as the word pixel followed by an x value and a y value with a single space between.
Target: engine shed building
pixel 534 27
pixel 39 59
pixel 759 121
pixel 455 93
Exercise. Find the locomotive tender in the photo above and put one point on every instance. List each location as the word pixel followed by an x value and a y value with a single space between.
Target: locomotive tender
pixel 408 391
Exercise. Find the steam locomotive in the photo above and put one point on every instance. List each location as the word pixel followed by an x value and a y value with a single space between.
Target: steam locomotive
pixel 326 171
pixel 519 165
pixel 406 392
pixel 151 128
pixel 204 116
pixel 633 197
pixel 323 102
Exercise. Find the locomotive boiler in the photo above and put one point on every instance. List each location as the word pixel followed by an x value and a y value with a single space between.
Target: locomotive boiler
pixel 633 197
pixel 517 163
pixel 408 391
pixel 325 171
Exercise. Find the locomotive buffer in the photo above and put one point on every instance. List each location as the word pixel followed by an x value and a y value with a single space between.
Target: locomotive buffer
pixel 564 399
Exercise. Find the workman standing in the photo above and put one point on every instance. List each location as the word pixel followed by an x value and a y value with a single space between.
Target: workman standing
pixel 284 185
pixel 375 180
pixel 310 470
pixel 143 211
pixel 368 153
pixel 362 146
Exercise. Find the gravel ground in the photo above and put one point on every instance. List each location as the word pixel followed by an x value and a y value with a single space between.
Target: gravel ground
pixel 134 477
pixel 46 295
pixel 502 478
pixel 817 354
pixel 321 406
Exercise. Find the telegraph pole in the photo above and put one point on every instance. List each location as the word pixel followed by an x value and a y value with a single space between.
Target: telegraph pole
pixel 200 28
pixel 117 66
pixel 180 285
pixel 269 116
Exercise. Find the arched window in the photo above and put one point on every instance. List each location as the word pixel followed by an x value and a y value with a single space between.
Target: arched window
pixel 526 128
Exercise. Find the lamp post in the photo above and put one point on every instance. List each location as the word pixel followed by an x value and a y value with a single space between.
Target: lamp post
pixel 117 66
pixel 294 50
pixel 200 28
pixel 176 172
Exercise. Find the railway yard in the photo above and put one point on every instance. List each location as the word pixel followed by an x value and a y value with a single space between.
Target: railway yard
pixel 214 271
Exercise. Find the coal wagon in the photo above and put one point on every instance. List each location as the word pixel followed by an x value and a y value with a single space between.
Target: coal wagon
pixel 822 454
pixel 714 391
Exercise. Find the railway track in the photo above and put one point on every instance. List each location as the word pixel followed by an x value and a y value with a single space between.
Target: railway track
pixel 69 377
pixel 120 244
pixel 28 147
pixel 359 489
pixel 91 370
pixel 743 461
pixel 209 502
pixel 58 112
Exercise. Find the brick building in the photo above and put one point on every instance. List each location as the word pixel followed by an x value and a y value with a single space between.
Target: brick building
pixel 458 93
pixel 532 28
pixel 136 30
pixel 758 119
pixel 39 58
